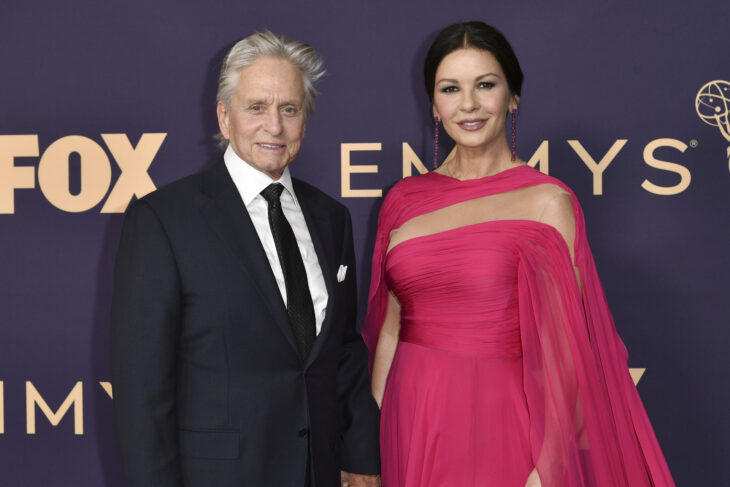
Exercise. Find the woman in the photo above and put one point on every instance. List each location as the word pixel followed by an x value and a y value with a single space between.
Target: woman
pixel 496 361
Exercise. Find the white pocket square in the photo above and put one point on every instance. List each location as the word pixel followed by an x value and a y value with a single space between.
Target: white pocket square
pixel 341 273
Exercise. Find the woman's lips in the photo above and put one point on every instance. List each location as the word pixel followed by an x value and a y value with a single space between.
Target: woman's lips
pixel 472 125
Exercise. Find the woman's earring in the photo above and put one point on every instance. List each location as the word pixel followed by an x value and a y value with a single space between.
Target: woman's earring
pixel 514 134
pixel 435 141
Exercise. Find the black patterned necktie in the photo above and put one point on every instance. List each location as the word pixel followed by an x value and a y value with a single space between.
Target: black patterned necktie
pixel 298 298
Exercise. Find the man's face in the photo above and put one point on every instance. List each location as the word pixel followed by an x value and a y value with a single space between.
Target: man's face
pixel 265 123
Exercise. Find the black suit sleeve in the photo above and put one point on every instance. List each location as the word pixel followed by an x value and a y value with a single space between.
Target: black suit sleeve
pixel 360 416
pixel 144 333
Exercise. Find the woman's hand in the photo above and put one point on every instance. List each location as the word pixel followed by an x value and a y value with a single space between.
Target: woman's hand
pixel 533 480
pixel 385 350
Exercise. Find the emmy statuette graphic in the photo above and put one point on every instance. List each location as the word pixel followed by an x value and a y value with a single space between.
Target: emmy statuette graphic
pixel 713 107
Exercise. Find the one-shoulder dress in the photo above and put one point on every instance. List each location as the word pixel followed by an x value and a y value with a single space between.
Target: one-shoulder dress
pixel 505 362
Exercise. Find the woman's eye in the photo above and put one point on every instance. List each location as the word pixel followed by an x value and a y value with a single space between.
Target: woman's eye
pixel 486 84
pixel 449 89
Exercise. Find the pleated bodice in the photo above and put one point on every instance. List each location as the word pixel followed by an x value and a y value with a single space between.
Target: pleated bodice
pixel 471 272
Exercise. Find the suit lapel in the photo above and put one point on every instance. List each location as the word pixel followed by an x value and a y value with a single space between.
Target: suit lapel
pixel 227 216
pixel 320 230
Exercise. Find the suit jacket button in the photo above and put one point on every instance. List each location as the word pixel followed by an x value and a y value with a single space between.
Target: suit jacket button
pixel 303 432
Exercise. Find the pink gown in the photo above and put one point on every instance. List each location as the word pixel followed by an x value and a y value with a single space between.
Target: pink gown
pixel 504 363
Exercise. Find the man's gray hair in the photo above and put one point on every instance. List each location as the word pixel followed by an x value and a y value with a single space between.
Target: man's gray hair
pixel 268 44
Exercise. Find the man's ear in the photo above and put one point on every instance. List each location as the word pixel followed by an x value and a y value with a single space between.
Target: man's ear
pixel 222 113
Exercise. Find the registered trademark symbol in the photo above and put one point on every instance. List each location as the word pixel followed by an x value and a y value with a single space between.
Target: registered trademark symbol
pixel 693 143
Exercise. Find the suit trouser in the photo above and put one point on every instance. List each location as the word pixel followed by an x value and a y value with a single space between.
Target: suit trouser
pixel 309 476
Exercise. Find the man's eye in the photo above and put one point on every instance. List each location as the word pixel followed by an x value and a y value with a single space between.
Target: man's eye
pixel 255 108
pixel 449 89
pixel 290 111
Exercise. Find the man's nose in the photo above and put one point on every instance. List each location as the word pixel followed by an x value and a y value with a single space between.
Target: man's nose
pixel 273 123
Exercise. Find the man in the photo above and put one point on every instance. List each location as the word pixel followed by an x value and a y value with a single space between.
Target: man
pixel 235 357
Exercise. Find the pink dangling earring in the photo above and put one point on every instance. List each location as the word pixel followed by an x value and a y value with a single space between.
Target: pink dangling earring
pixel 435 141
pixel 514 135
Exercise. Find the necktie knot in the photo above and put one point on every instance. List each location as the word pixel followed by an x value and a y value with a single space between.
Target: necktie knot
pixel 272 193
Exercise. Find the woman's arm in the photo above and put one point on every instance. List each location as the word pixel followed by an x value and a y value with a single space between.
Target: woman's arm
pixel 385 350
pixel 558 212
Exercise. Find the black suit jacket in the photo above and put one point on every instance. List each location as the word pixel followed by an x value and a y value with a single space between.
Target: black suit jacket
pixel 209 388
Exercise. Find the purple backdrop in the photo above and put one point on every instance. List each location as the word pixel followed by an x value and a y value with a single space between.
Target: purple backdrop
pixel 595 76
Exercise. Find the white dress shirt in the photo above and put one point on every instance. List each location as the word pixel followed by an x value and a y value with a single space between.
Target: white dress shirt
pixel 250 182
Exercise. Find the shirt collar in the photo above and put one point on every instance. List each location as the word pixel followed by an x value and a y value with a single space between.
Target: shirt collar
pixel 250 181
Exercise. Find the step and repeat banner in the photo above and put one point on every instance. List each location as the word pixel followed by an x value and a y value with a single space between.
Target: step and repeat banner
pixel 101 103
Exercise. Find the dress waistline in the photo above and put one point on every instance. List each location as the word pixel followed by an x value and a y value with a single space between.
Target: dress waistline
pixel 502 346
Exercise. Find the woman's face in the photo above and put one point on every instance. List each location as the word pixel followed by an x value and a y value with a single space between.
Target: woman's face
pixel 472 97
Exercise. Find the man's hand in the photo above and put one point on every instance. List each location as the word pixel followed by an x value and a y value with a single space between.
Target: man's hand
pixel 359 480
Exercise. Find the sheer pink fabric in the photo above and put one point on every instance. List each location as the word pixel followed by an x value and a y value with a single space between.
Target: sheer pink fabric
pixel 503 363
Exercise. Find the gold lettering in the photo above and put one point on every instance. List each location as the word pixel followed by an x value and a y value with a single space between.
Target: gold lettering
pixel 540 158
pixel 597 168
pixel 636 375
pixel 53 173
pixel 107 386
pixel 134 163
pixel 75 398
pixel 684 174
pixel 410 159
pixel 12 177
pixel 348 169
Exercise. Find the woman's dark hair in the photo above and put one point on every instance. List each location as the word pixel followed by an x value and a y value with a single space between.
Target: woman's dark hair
pixel 477 35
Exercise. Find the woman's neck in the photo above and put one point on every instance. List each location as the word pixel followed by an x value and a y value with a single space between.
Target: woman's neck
pixel 479 162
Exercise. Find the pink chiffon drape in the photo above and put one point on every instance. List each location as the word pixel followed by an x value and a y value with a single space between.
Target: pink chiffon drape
pixel 505 365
